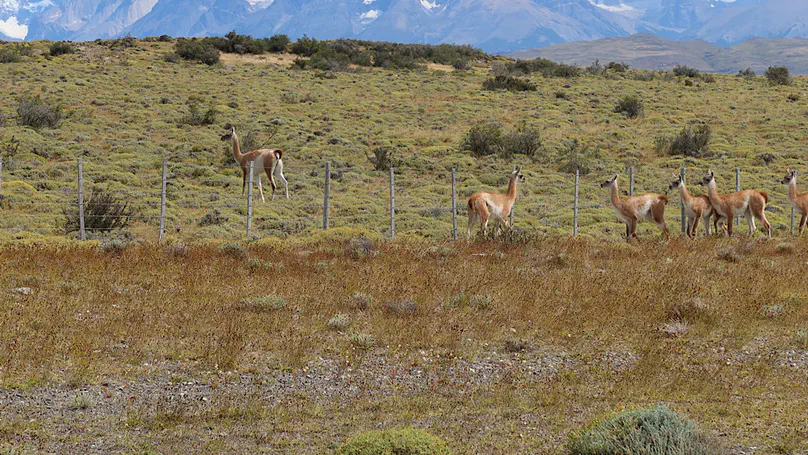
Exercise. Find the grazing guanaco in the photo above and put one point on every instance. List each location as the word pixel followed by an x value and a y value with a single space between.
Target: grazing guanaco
pixel 695 207
pixel 633 208
pixel 798 201
pixel 484 205
pixel 751 203
pixel 267 159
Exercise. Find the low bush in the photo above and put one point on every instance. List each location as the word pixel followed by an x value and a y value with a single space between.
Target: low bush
pixel 196 116
pixel 103 213
pixel 399 441
pixel 234 250
pixel 37 113
pixel 617 67
pixel 509 83
pixel 522 141
pixel 778 75
pixel 267 303
pixel 61 48
pixel 689 142
pixel 685 71
pixel 483 138
pixel 656 429
pixel 197 50
pixel 359 248
pixel 9 55
pixel 747 73
pixel 630 105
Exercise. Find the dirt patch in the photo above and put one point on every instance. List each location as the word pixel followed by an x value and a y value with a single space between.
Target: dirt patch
pixel 265 59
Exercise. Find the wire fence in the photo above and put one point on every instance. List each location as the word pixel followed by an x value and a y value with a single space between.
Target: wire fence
pixel 553 204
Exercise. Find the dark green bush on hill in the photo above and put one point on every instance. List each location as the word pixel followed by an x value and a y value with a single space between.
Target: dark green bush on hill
pixel 509 83
pixel 483 138
pixel 198 50
pixel 685 71
pixel 630 105
pixel 689 142
pixel 36 113
pixel 306 46
pixel 651 430
pixel 8 55
pixel 401 441
pixel 61 48
pixel 546 67
pixel 778 75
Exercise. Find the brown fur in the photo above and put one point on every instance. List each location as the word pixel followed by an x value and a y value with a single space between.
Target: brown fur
pixel 271 158
pixel 750 203
pixel 695 207
pixel 798 201
pixel 483 205
pixel 633 208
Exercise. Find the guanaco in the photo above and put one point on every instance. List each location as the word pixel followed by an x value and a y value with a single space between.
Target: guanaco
pixel 484 205
pixel 633 208
pixel 751 203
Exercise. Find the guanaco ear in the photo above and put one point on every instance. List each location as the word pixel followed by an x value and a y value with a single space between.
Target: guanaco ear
pixel 615 177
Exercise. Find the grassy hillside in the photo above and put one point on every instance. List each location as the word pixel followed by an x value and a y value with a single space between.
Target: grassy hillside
pixel 496 349
pixel 127 108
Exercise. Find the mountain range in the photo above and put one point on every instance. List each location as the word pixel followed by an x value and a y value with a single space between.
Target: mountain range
pixel 496 26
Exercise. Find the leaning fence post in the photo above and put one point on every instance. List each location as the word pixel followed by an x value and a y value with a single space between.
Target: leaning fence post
pixel 631 181
pixel 683 176
pixel 163 200
pixel 250 200
pixel 392 205
pixel 575 208
pixel 454 206
pixel 327 194
pixel 737 188
pixel 81 200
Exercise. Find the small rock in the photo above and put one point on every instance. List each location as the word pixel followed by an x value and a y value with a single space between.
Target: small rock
pixel 23 291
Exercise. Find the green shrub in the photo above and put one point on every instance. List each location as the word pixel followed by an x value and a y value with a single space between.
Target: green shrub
pixel 171 57
pixel 574 157
pixel 164 38
pixel 382 158
pixel 306 46
pixel 197 117
pixel 689 142
pixel 214 217
pixel 595 68
pixel 36 113
pixel 483 138
pixel 778 75
pixel 509 83
pixel 399 441
pixel 61 48
pixel 747 73
pixel 9 55
pixel 685 71
pixel 522 141
pixel 103 212
pixel 234 250
pixel 651 430
pixel 707 77
pixel 630 105
pixel 617 67
pixel 267 303
pixel 197 50
pixel 339 322
pixel 541 65
pixel 277 43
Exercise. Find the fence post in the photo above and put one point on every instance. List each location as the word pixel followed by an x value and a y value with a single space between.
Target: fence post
pixel 737 188
pixel 454 207
pixel 631 181
pixel 327 194
pixel 82 235
pixel 575 208
pixel 163 200
pixel 250 200
pixel 683 175
pixel 392 205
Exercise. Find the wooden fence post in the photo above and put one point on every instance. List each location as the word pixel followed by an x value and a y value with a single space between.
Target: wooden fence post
pixel 454 206
pixel 82 235
pixel 793 215
pixel 575 208
pixel 737 188
pixel 631 181
pixel 250 200
pixel 392 205
pixel 683 175
pixel 327 194
pixel 163 200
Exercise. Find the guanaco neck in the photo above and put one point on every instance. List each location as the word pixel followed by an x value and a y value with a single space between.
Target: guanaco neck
pixel 236 148
pixel 686 198
pixel 712 193
pixel 615 195
pixel 512 188
pixel 792 190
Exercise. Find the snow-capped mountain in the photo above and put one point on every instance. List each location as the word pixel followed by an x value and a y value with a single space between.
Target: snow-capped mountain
pixel 493 25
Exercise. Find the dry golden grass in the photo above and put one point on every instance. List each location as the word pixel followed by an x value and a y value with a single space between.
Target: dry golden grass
pixel 589 319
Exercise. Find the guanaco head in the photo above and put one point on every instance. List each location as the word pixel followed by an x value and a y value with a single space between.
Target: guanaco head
pixel 791 175
pixel 517 174
pixel 676 183
pixel 230 134
pixel 611 182
pixel 710 177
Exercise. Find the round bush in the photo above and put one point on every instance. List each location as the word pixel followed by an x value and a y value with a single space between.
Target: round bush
pixel 651 430
pixel 399 441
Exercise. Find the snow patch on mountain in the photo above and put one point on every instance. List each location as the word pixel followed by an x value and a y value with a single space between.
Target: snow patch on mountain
pixel 13 29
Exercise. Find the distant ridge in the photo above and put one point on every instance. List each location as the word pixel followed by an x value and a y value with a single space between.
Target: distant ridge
pixel 644 51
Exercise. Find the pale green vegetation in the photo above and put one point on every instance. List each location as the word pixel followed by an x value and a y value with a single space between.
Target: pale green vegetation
pixel 122 107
